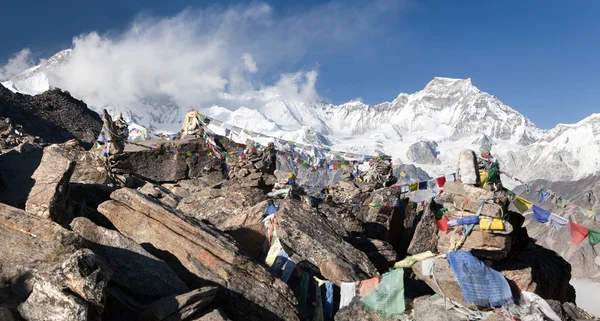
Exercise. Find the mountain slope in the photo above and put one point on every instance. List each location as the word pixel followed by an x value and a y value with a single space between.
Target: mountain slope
pixel 450 114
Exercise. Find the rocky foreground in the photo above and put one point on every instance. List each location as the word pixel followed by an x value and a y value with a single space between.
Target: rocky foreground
pixel 165 236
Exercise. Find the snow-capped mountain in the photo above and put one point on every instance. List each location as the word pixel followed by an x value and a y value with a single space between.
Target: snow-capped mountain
pixel 428 127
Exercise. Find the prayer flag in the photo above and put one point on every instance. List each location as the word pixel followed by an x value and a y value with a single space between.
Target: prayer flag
pixel 451 177
pixel 441 181
pixel 557 222
pixel 423 185
pixel 578 232
pixel 442 224
pixel 367 285
pixel 593 237
pixel 586 212
pixel 414 187
pixel 522 204
pixel 347 293
pixel 543 196
pixel 539 214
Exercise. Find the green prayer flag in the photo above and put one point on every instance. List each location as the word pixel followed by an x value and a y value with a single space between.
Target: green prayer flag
pixel 387 298
pixel 594 237
pixel 440 213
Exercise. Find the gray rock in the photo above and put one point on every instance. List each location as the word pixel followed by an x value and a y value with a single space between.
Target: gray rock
pixel 425 237
pixel 468 170
pixel 133 267
pixel 423 152
pixel 72 290
pixel 157 162
pixel 160 193
pixel 89 167
pixel 206 255
pixel 49 196
pixel 48 303
pixel 308 234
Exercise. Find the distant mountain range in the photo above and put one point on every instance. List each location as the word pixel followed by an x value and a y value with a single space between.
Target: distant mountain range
pixel 427 128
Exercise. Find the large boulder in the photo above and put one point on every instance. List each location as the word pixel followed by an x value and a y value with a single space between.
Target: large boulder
pixel 89 167
pixel 133 267
pixel 385 219
pixel 226 208
pixel 221 206
pixel 425 235
pixel 303 231
pixel 72 290
pixel 31 244
pixel 204 253
pixel 162 161
pixel 49 197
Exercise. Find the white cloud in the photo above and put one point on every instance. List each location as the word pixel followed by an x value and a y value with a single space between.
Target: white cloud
pixel 16 64
pixel 249 62
pixel 195 57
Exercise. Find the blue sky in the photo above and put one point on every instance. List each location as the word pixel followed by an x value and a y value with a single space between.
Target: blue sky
pixel 539 57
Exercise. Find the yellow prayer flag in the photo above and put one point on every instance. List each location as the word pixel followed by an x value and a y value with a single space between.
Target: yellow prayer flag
pixel 496 224
pixel 522 204
pixel 414 187
pixel 402 173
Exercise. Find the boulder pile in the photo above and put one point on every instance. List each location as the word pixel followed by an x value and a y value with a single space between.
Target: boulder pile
pixel 173 233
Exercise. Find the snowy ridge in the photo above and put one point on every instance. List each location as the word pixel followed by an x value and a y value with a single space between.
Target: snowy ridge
pixel 448 114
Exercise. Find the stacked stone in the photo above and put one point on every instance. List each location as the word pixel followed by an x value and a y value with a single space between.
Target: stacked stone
pixel 463 201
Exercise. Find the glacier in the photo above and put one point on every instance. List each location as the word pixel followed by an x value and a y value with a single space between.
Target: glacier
pixel 446 116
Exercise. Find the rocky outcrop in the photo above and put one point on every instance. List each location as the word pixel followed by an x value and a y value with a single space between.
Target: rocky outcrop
pixel 89 167
pixel 222 207
pixel 73 290
pixel 133 267
pixel 170 161
pixel 424 152
pixel 49 197
pixel 208 254
pixel 304 232
pixel 49 272
pixel 54 116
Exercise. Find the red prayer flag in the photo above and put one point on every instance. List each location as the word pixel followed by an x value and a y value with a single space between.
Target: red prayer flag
pixel 441 181
pixel 578 232
pixel 442 223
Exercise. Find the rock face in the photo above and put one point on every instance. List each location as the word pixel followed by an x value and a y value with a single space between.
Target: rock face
pixel 133 267
pixel 304 232
pixel 208 254
pixel 49 196
pixel 221 206
pixel 54 116
pixel 167 161
pixel 89 167
pixel 46 302
pixel 424 152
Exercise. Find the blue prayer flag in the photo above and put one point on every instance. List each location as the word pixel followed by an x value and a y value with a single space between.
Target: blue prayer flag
pixel 543 196
pixel 480 284
pixel 423 185
pixel 539 214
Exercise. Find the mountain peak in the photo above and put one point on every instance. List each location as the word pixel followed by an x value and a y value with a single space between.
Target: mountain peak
pixel 440 85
